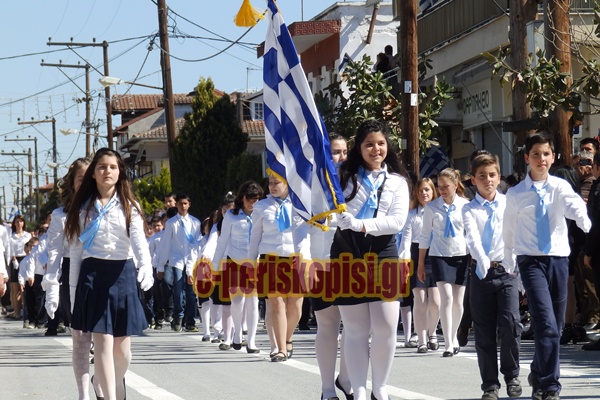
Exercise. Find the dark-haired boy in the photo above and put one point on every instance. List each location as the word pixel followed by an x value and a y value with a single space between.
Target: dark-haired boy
pixel 535 234
pixel 494 287
pixel 180 236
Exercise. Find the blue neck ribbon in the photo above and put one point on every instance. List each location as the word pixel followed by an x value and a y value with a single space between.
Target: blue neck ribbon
pixel 368 209
pixel 91 230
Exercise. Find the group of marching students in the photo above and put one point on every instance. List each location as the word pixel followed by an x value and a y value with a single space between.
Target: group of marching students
pixel 108 275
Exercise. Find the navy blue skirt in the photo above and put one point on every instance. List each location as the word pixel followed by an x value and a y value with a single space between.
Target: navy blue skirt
pixel 450 269
pixel 106 300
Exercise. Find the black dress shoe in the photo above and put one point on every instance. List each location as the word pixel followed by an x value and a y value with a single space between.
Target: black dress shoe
pixel 94 387
pixel 375 398
pixel 236 346
pixel 290 352
pixel 447 354
pixel 349 396
pixel 252 351
pixel 456 350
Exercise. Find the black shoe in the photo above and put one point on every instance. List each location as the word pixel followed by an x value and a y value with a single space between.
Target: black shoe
pixel 236 346
pixel 51 332
pixel 279 357
pixel 224 346
pixel 349 396
pixel 456 350
pixel 303 327
pixel 463 336
pixel 252 351
pixel 93 387
pixel 591 346
pixel 491 394
pixel 177 325
pixel 447 354
pixel 551 395
pixel 375 398
pixel 513 388
pixel 433 344
pixel 290 352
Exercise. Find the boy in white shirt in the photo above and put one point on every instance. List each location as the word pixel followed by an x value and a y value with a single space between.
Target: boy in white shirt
pixel 494 288
pixel 535 236
pixel 180 236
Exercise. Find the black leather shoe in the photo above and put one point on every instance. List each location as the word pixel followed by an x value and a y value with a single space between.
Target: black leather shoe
pixel 94 387
pixel 456 350
pixel 290 352
pixel 375 398
pixel 279 357
pixel 236 346
pixel 349 396
pixel 252 351
pixel 513 388
pixel 447 354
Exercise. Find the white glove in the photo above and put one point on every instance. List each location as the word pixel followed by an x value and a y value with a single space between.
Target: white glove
pixel 52 295
pixel 347 221
pixel 145 279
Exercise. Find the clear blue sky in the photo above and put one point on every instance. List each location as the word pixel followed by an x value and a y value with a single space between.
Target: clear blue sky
pixel 30 91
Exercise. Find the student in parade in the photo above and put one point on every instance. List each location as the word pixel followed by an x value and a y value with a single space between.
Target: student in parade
pixel 426 295
pixel 535 237
pixel 443 235
pixel 180 237
pixel 494 287
pixel 31 272
pixel 230 254
pixel 377 196
pixel 18 238
pixel 271 241
pixel 60 282
pixel 106 229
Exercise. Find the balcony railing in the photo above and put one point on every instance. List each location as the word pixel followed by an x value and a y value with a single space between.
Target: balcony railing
pixel 453 18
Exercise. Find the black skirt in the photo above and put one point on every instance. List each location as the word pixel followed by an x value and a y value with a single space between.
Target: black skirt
pixel 364 281
pixel 450 269
pixel 106 300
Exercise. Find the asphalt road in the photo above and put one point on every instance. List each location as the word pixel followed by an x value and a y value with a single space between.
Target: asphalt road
pixel 175 366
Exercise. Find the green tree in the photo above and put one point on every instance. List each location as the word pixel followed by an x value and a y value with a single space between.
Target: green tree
pixel 243 168
pixel 52 202
pixel 150 191
pixel 210 137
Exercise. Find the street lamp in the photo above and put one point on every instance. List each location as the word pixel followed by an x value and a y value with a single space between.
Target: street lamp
pixel 106 81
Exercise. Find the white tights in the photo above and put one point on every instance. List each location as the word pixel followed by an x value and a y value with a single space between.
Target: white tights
pixel 227 324
pixel 451 310
pixel 380 318
pixel 112 356
pixel 426 312
pixel 82 342
pixel 205 317
pixel 326 344
pixel 407 316
pixel 216 314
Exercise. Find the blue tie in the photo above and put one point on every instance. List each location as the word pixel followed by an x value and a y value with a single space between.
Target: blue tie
pixel 282 216
pixel 490 224
pixel 368 209
pixel 541 221
pixel 89 233
pixel 188 235
pixel 249 219
pixel 449 229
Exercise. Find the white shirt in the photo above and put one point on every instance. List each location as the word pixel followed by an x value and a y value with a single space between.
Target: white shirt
pixel 58 247
pixel 210 246
pixel 475 215
pixel 393 205
pixel 174 244
pixel 17 244
pixel 434 220
pixel 411 232
pixel 519 229
pixel 112 241
pixel 234 239
pixel 3 261
pixel 265 237
pixel 154 247
pixel 5 239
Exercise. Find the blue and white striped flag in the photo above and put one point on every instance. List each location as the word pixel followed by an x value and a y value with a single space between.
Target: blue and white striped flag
pixel 298 148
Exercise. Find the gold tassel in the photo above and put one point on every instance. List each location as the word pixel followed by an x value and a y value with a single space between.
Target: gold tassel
pixel 248 15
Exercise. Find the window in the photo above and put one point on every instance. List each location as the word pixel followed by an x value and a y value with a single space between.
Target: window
pixel 258 111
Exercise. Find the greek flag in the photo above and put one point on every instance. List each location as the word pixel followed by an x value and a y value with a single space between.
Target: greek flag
pixel 298 148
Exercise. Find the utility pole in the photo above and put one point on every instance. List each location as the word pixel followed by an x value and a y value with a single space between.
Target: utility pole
pixel 53 121
pixel 37 171
pixel 30 169
pixel 165 62
pixel 409 84
pixel 104 45
pixel 87 98
pixel 558 44
pixel 16 169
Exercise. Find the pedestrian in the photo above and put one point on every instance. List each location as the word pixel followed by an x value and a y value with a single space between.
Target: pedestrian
pixel 230 254
pixel 18 238
pixel 426 296
pixel 443 235
pixel 106 229
pixel 271 242
pixel 180 236
pixel 535 236
pixel 494 288
pixel 377 199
